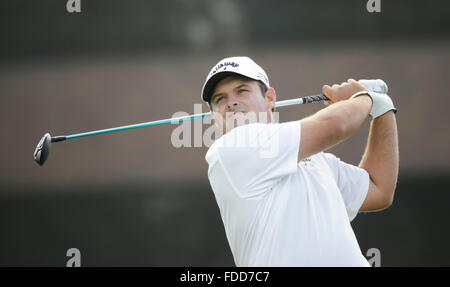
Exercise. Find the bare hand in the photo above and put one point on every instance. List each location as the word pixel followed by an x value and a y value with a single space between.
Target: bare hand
pixel 341 92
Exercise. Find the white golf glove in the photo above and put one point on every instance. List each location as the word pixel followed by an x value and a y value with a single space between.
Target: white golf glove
pixel 381 103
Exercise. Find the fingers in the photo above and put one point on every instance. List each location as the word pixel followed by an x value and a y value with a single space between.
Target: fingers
pixel 326 89
pixel 341 92
pixel 349 81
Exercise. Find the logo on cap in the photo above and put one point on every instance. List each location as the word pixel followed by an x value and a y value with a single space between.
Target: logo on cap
pixel 223 66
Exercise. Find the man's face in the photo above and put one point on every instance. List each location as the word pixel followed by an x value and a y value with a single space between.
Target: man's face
pixel 236 101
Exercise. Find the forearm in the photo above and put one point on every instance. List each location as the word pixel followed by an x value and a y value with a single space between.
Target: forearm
pixel 350 114
pixel 381 157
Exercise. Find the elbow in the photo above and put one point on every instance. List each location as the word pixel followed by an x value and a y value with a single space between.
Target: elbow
pixel 381 204
pixel 388 198
pixel 388 202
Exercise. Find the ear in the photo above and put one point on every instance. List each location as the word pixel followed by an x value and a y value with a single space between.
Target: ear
pixel 271 97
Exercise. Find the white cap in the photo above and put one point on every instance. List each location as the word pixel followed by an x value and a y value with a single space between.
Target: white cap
pixel 233 65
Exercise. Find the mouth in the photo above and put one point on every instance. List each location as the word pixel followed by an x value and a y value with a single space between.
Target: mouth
pixel 235 113
pixel 242 112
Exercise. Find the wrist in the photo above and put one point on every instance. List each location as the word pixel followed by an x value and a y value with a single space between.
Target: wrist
pixel 364 95
pixel 387 114
pixel 361 93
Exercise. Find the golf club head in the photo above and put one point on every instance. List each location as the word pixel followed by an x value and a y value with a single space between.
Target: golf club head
pixel 42 149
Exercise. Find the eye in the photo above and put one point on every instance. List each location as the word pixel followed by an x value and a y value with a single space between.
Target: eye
pixel 218 99
pixel 242 90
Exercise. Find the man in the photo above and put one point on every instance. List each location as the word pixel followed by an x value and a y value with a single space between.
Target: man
pixel 293 207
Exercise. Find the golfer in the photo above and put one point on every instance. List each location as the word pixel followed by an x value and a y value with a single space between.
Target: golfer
pixel 282 199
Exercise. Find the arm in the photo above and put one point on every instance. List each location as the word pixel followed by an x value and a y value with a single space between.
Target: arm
pixel 380 160
pixel 337 122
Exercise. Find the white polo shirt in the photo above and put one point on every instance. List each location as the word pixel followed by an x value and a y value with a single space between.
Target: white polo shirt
pixel 278 211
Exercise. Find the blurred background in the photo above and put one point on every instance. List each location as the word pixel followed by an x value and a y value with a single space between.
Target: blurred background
pixel 132 198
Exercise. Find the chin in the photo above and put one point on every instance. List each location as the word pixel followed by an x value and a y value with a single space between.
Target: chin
pixel 234 124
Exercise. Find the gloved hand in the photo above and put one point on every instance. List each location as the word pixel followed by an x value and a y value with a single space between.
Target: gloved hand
pixel 381 103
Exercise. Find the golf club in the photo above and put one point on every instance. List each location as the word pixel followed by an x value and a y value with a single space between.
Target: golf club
pixel 42 150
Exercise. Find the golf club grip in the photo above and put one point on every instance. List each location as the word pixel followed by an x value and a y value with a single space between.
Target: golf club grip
pixel 316 98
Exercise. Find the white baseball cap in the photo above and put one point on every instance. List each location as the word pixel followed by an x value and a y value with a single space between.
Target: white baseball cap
pixel 229 66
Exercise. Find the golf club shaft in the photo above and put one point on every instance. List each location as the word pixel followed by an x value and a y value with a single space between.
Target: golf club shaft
pixel 304 100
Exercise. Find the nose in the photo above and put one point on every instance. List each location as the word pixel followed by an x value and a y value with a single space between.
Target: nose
pixel 232 103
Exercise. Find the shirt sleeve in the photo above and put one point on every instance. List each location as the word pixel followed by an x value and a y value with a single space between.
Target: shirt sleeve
pixel 352 181
pixel 255 156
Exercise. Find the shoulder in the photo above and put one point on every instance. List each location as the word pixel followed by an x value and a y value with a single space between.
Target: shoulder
pixel 237 137
pixel 244 141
